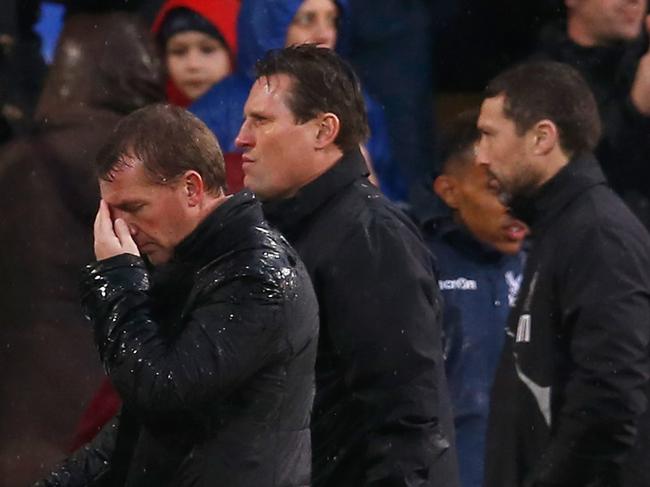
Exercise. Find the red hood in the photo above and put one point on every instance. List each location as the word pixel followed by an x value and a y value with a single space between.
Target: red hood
pixel 221 13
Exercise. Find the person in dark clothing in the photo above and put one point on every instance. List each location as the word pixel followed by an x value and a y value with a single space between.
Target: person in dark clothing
pixel 569 405
pixel 381 413
pixel 605 40
pixel 104 68
pixel 213 350
pixel 22 68
pixel 391 45
pixel 477 245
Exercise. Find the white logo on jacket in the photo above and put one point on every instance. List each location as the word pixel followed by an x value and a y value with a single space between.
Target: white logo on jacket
pixel 514 283
pixel 461 283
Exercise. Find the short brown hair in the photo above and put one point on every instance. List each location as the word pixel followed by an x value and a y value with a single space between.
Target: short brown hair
pixel 550 90
pixel 168 141
pixel 322 82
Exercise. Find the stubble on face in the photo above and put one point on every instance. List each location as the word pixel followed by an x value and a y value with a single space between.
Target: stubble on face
pixel 504 152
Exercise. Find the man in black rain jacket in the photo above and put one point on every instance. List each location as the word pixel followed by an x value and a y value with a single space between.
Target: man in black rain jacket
pixel 213 352
pixel 381 413
pixel 569 405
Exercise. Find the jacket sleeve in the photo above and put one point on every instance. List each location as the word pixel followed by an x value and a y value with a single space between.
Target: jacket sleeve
pixel 386 330
pixel 605 306
pixel 230 333
pixel 89 465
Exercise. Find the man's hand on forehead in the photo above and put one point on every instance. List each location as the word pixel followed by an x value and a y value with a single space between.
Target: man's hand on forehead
pixel 112 238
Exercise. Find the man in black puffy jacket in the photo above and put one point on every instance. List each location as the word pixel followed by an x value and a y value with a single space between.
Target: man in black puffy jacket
pixel 212 350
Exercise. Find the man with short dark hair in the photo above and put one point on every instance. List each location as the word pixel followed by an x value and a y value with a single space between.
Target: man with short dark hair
pixel 477 244
pixel 607 42
pixel 381 412
pixel 212 351
pixel 569 405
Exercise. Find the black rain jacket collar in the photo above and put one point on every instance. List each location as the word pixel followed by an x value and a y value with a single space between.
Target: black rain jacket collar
pixel 292 211
pixel 222 231
pixel 543 207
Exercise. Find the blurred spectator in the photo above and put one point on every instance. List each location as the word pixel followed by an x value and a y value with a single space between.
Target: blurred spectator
pixel 22 68
pixel 604 40
pixel 104 67
pixel 48 27
pixel 199 41
pixel 272 24
pixel 390 44
pixel 467 51
pixel 477 244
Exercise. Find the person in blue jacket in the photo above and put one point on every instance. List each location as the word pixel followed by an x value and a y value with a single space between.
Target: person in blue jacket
pixel 272 24
pixel 477 244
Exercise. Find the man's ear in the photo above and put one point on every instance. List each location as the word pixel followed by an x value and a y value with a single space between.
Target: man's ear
pixel 193 187
pixel 545 137
pixel 445 187
pixel 328 130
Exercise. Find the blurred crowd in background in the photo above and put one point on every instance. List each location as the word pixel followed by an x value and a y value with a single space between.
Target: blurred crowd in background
pixel 70 69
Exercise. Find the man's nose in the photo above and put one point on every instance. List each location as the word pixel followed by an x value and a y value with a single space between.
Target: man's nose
pixel 243 138
pixel 133 229
pixel 324 34
pixel 480 154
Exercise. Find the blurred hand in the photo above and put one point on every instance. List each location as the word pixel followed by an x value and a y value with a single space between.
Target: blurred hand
pixel 112 239
pixel 640 93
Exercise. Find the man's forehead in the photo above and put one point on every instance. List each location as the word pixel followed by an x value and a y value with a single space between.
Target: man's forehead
pixel 128 173
pixel 491 108
pixel 268 88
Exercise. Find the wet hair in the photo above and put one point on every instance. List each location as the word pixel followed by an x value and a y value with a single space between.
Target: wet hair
pixel 322 82
pixel 550 90
pixel 456 146
pixel 169 141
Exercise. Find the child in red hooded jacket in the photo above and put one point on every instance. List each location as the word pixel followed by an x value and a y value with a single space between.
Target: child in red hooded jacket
pixel 199 41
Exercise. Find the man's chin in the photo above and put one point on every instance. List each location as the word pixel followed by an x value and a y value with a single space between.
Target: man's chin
pixel 156 258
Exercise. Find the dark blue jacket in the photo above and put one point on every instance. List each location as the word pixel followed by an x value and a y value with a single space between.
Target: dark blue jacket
pixel 478 286
pixel 262 26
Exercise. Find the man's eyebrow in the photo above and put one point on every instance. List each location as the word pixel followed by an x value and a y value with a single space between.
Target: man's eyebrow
pixel 126 205
pixel 257 115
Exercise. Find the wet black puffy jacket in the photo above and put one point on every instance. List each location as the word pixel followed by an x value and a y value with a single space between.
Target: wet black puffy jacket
pixel 213 357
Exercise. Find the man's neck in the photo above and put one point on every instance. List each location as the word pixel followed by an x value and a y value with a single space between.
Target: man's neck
pixel 578 34
pixel 323 161
pixel 554 163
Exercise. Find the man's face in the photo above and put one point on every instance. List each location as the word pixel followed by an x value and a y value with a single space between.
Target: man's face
pixel 477 206
pixel 504 152
pixel 314 23
pixel 156 215
pixel 277 151
pixel 607 21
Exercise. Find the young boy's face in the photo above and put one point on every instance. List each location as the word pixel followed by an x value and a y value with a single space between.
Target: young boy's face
pixel 474 195
pixel 195 62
